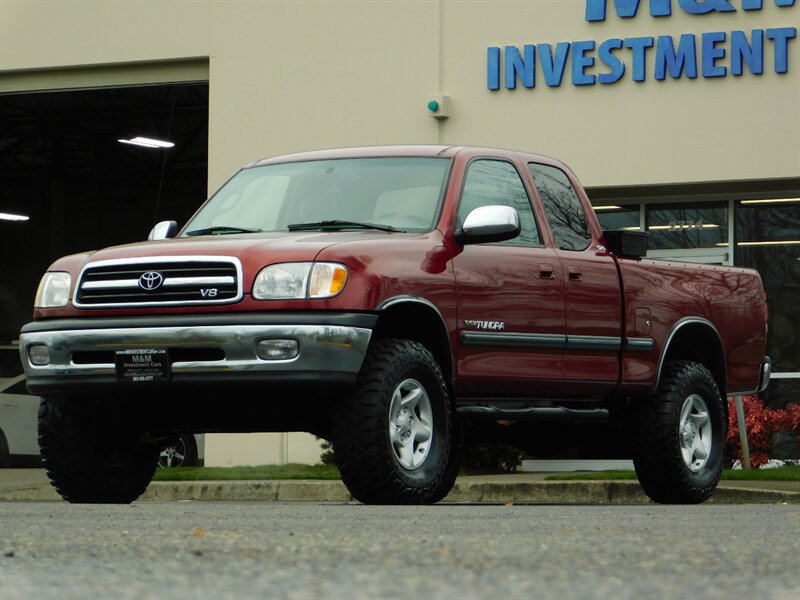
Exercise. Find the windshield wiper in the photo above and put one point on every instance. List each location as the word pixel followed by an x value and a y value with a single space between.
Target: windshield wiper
pixel 222 229
pixel 338 224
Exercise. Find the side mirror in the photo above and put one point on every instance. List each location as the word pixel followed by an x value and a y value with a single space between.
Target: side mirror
pixel 163 230
pixel 627 244
pixel 490 224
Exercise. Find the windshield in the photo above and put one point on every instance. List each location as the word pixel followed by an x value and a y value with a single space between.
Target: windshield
pixel 383 193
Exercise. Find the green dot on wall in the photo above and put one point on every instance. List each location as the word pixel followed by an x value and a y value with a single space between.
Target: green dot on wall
pixel 433 106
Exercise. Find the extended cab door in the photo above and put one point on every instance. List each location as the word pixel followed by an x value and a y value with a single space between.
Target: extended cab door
pixel 510 296
pixel 591 286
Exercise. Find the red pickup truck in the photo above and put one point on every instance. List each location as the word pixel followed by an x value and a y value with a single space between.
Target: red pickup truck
pixel 390 299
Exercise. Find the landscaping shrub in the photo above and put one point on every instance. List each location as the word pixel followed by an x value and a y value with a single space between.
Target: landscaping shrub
pixel 492 457
pixel 762 425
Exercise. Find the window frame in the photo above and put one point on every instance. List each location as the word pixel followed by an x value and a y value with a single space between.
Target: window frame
pixel 589 228
pixel 457 225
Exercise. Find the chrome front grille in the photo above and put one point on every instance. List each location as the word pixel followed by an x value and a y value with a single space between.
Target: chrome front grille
pixel 160 281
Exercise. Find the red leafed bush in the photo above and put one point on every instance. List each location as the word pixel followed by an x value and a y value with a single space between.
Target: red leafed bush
pixel 761 424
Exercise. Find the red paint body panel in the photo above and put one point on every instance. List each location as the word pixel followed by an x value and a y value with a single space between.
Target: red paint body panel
pixel 731 299
pixel 526 305
pixel 496 283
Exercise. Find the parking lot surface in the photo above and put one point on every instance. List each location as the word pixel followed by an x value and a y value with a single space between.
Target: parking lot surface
pixel 304 550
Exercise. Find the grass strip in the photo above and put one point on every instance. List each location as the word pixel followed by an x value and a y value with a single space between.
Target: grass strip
pixel 290 471
pixel 330 472
pixel 790 473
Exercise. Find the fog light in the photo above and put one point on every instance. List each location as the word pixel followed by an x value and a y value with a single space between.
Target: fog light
pixel 39 355
pixel 277 349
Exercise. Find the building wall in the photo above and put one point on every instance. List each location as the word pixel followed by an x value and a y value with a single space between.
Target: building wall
pixel 289 76
pixel 234 449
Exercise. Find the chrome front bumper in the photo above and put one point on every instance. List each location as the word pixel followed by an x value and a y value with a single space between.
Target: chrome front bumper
pixel 331 349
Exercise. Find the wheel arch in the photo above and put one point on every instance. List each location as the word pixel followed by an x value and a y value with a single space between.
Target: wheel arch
pixel 418 319
pixel 696 339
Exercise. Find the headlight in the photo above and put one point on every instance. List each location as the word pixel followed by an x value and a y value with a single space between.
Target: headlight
pixel 299 280
pixel 53 290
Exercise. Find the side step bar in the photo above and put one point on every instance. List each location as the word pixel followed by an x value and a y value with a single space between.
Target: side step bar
pixel 533 413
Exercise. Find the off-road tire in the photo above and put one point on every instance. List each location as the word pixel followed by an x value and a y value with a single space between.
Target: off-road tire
pixel 656 421
pixel 75 453
pixel 362 444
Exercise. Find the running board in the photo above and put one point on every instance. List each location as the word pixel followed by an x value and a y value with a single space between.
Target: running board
pixel 534 413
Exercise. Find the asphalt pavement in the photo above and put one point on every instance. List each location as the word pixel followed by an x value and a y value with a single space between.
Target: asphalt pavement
pixel 33 485
pixel 306 550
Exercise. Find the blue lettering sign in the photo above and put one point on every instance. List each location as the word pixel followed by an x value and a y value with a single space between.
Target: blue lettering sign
pixel 493 68
pixel 626 9
pixel 711 54
pixel 744 51
pixel 701 7
pixel 781 36
pixel 613 62
pixel 676 62
pixel 715 54
pixel 553 66
pixel 580 62
pixel 639 45
pixel 525 67
pixel 758 4
pixel 596 9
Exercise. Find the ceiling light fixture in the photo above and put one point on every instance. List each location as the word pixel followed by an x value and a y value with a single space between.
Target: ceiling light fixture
pixel 776 243
pixel 147 142
pixel 771 201
pixel 13 217
pixel 608 207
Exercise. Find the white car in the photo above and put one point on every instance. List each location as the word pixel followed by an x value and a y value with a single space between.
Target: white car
pixel 19 443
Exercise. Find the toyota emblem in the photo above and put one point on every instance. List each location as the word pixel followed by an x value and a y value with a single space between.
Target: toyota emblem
pixel 151 281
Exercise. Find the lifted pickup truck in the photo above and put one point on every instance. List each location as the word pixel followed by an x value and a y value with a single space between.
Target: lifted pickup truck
pixel 388 299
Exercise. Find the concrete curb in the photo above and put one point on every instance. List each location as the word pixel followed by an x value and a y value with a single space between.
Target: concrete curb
pixel 466 490
pixel 283 491
pixel 541 492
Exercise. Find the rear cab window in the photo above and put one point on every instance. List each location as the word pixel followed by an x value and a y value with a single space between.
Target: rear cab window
pixel 563 208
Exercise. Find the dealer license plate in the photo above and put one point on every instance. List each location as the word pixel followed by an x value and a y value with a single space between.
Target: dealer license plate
pixel 142 365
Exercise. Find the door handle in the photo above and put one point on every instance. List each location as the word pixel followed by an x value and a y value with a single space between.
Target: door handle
pixel 575 274
pixel 546 272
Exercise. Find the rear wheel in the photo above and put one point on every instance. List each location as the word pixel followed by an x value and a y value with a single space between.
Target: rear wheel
pixel 679 434
pixel 88 459
pixel 393 437
pixel 180 452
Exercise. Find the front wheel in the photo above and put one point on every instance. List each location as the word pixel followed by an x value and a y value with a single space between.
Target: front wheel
pixel 393 437
pixel 90 459
pixel 679 434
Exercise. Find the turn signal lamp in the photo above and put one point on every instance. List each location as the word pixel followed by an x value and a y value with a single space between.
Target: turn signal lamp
pixel 299 280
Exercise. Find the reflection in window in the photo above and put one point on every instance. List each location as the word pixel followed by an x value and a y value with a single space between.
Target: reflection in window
pixel 683 226
pixel 622 216
pixel 563 208
pixel 494 182
pixel 768 240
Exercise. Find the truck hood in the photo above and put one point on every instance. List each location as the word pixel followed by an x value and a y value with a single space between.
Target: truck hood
pixel 254 250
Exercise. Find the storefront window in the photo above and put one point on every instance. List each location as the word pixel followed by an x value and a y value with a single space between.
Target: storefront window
pixel 618 216
pixel 768 240
pixel 686 226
